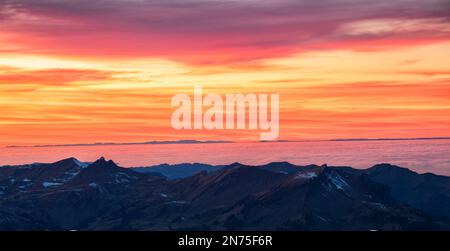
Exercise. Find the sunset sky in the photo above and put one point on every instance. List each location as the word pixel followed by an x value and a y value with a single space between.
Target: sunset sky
pixel 88 71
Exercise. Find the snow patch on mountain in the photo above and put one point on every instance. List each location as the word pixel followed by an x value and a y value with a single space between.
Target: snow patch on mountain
pixel 338 181
pixel 307 175
pixel 93 184
pixel 122 177
pixel 47 184
pixel 80 164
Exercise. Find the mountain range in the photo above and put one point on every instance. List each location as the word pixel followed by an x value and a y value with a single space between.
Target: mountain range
pixel 73 195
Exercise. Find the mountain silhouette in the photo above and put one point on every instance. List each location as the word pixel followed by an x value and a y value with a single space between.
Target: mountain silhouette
pixel 70 194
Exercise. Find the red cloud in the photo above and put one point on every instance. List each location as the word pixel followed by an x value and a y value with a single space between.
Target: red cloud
pixel 208 32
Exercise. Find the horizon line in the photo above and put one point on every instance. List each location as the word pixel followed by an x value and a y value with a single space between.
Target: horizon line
pixel 165 142
pixel 175 142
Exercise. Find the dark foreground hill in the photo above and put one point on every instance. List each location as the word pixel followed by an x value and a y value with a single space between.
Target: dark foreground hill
pixel 69 194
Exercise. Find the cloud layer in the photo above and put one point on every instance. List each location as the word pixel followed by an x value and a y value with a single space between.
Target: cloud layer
pixel 77 71
pixel 216 32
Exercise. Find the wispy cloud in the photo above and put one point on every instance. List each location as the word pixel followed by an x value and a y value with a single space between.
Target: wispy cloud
pixel 53 77
pixel 215 32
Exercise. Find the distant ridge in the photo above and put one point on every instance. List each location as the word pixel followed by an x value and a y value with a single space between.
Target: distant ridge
pixel 381 139
pixel 132 143
pixel 355 139
pixel 222 141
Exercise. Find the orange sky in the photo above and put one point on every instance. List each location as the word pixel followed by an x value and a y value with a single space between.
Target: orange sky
pixel 88 71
